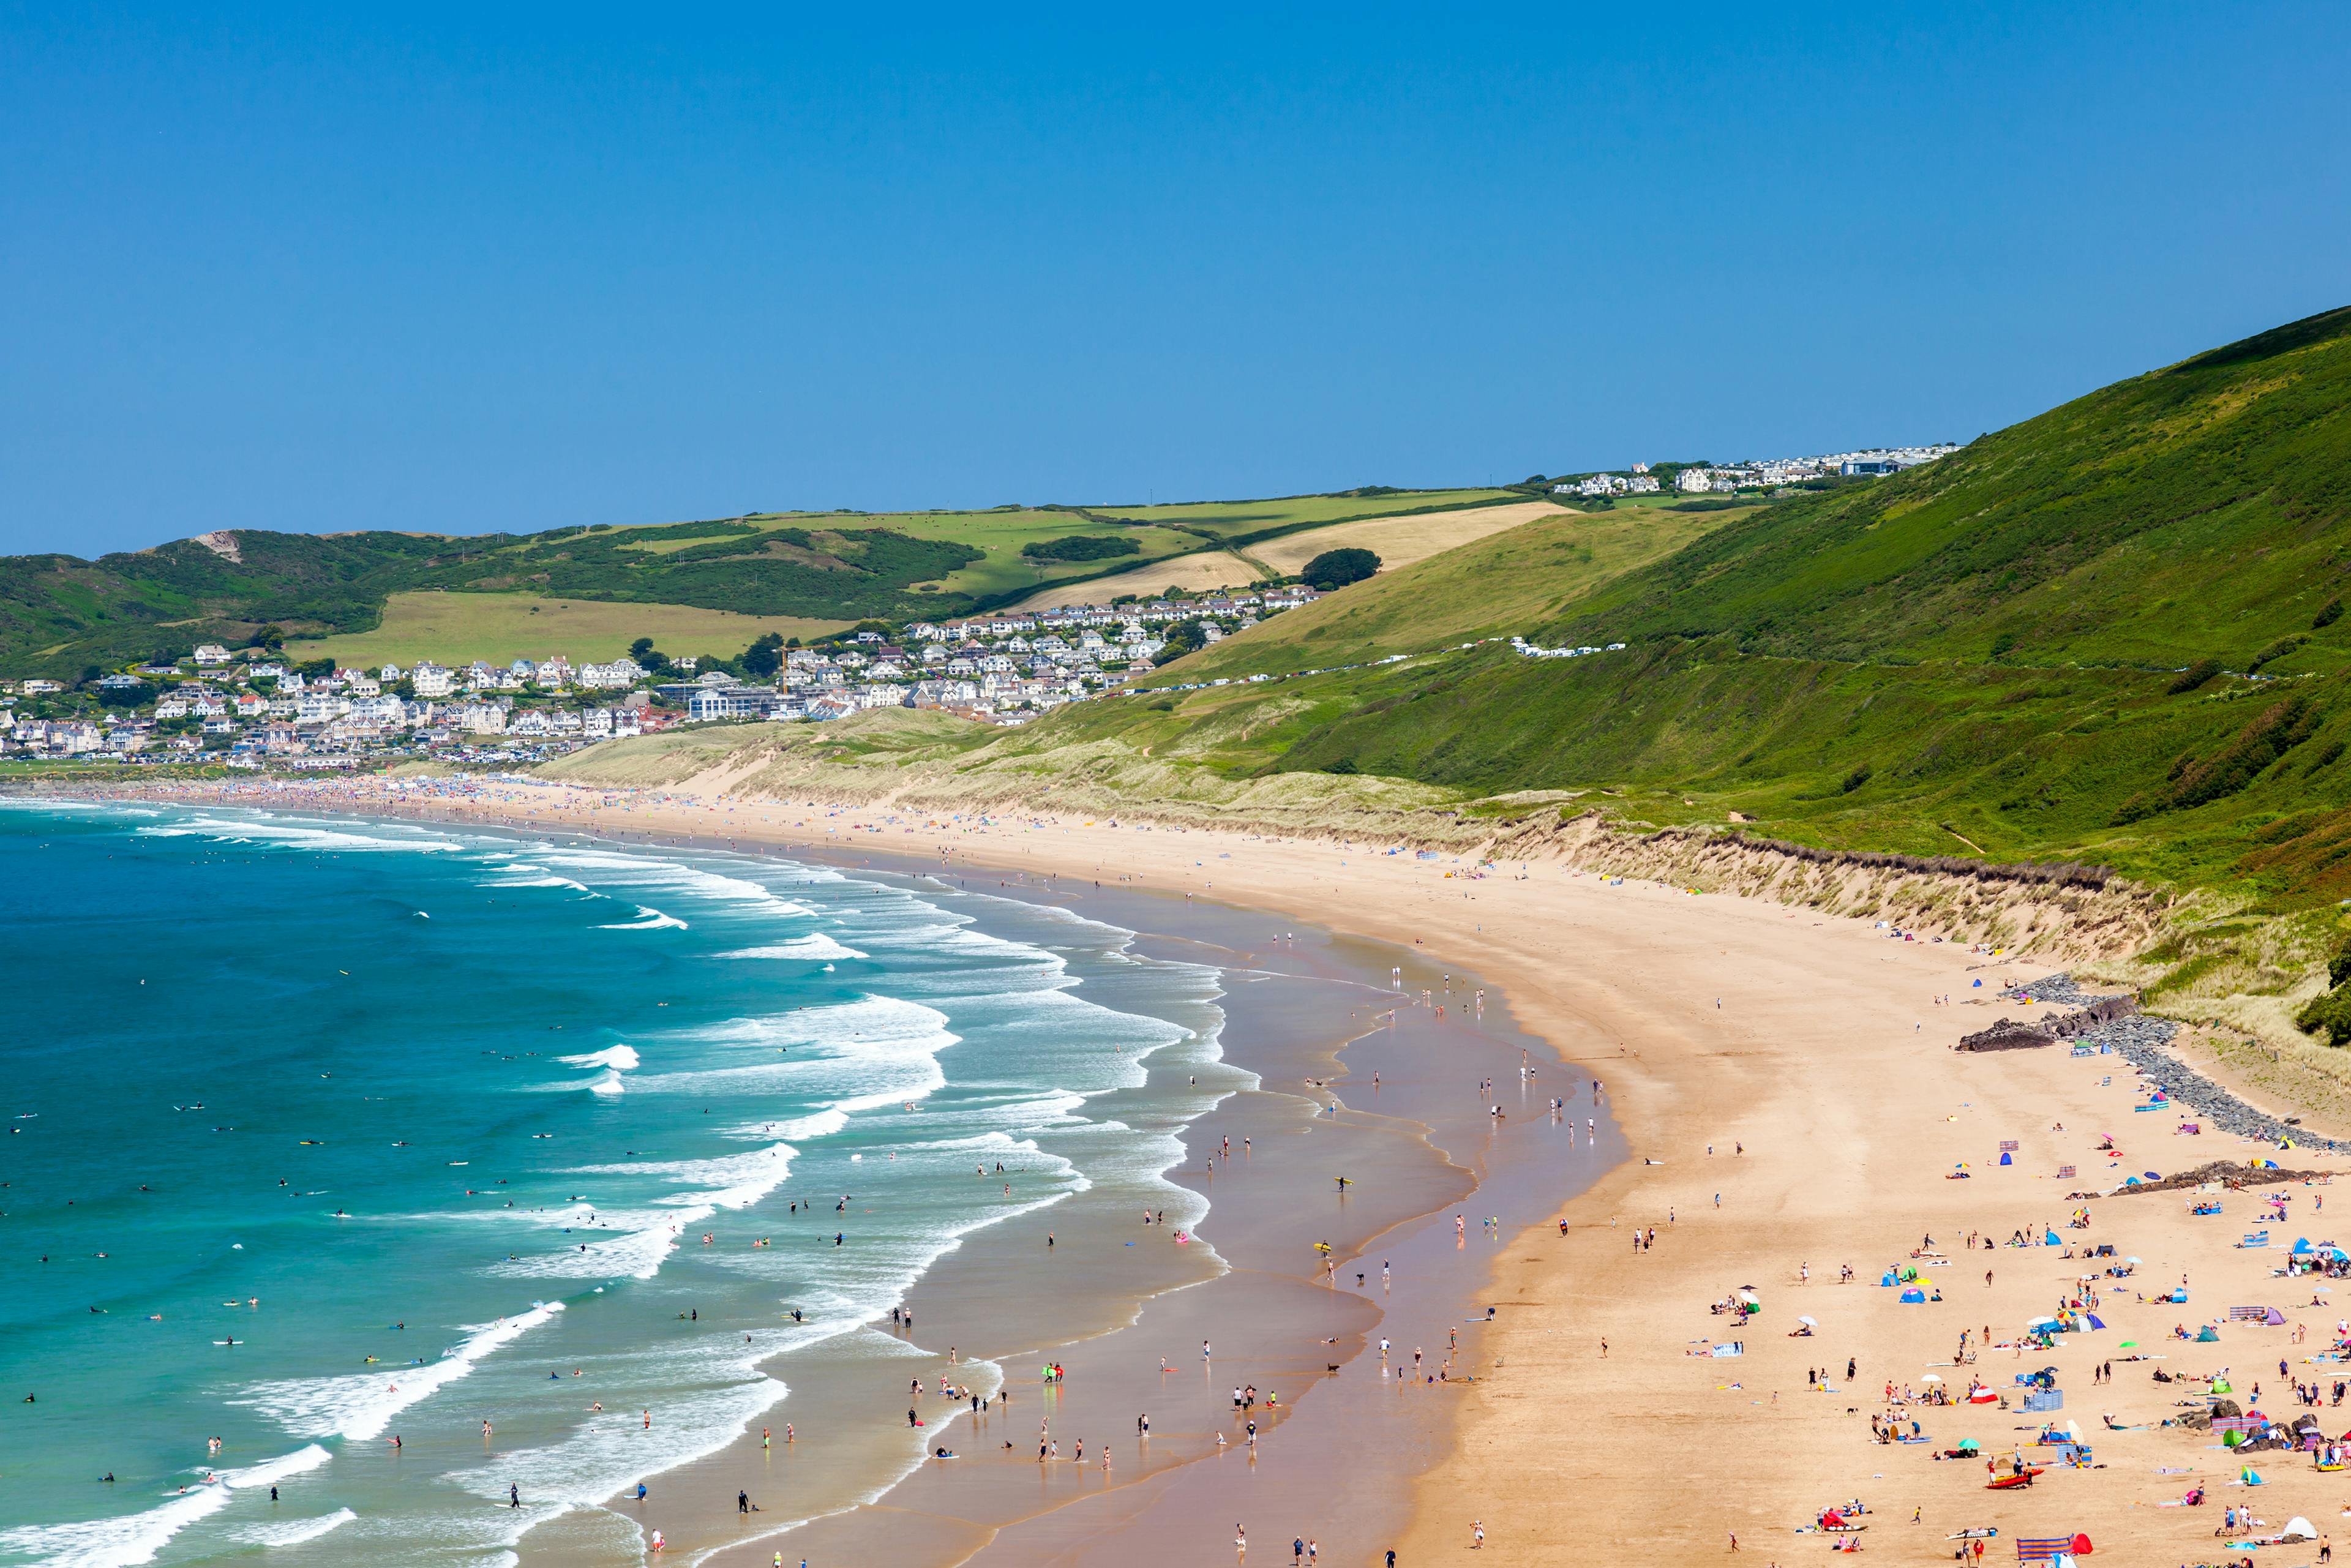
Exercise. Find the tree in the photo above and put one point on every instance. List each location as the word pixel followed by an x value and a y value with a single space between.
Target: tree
pixel 641 648
pixel 269 637
pixel 1183 637
pixel 1338 568
pixel 764 657
pixel 309 667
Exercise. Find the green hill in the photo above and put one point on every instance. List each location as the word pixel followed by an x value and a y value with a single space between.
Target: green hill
pixel 60 614
pixel 2196 511
pixel 1984 655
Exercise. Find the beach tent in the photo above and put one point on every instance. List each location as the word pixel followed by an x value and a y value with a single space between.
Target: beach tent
pixel 2297 1529
pixel 1887 1278
pixel 2251 1476
pixel 2300 1246
pixel 2206 1336
pixel 2096 1322
pixel 1913 1296
pixel 2052 1240
pixel 2008 1159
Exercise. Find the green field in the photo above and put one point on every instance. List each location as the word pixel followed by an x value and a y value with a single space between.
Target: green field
pixel 458 628
pixel 61 616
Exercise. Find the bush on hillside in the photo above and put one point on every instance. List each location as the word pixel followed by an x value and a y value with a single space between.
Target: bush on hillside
pixel 1079 546
pixel 1338 568
pixel 2328 615
pixel 2281 727
pixel 2275 651
pixel 2329 1014
pixel 2194 676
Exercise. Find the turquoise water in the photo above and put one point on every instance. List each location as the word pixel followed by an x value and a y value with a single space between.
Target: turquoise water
pixel 322 1133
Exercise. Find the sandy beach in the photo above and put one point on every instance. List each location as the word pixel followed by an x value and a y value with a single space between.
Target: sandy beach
pixel 1793 1108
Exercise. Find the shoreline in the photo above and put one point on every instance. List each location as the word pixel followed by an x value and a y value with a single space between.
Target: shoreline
pixel 1793 1069
pixel 1235 940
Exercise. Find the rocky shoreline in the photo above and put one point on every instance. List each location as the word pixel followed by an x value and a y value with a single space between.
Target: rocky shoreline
pixel 2142 1041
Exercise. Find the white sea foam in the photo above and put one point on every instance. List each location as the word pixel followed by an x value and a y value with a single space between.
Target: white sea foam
pixel 602 867
pixel 708 1395
pixel 361 1406
pixel 295 1532
pixel 815 946
pixel 518 874
pixel 295 833
pixel 642 1240
pixel 137 1538
pixel 648 919
pixel 620 1056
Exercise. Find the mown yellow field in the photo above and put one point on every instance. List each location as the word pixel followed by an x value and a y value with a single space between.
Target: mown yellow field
pixel 1208 570
pixel 455 627
pixel 1400 540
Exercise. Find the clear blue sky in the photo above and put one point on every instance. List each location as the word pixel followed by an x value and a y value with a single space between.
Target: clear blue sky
pixel 473 267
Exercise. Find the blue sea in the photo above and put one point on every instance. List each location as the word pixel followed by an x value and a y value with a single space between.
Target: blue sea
pixel 323 1133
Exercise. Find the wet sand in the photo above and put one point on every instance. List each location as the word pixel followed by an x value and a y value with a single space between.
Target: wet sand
pixel 1335 1454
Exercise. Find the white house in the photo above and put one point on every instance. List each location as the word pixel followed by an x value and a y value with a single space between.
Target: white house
pixel 616 676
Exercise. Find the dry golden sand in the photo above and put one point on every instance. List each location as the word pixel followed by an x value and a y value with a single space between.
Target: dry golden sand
pixel 1829 1060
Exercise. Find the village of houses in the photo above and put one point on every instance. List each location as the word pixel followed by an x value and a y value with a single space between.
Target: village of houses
pixel 252 705
pixel 1729 478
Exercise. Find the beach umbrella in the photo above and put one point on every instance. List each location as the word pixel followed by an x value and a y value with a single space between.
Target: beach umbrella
pixel 1931 1377
pixel 1810 1322
pixel 2130 1344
